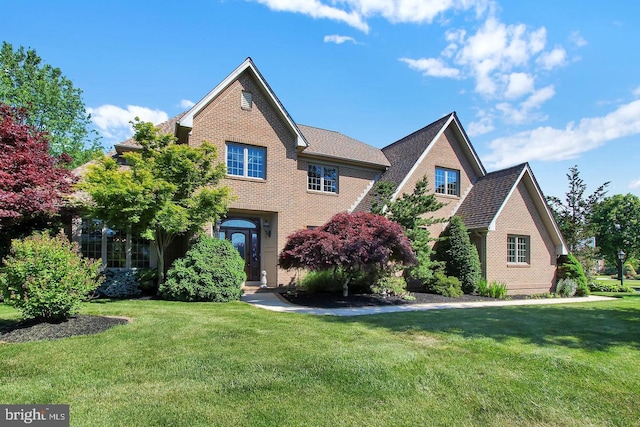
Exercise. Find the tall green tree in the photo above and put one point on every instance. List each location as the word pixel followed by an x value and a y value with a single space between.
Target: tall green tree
pixel 459 255
pixel 411 212
pixel 52 103
pixel 617 223
pixel 166 190
pixel 572 213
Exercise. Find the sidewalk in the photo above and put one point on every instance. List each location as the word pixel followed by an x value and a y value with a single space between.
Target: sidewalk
pixel 274 302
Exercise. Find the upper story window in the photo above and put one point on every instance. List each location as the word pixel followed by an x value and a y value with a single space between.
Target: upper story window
pixel 447 181
pixel 246 161
pixel 322 178
pixel 518 249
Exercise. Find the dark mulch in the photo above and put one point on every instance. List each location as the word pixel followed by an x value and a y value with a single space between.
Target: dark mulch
pixel 29 330
pixel 366 300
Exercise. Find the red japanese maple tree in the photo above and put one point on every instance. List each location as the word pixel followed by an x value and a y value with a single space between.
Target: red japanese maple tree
pixel 32 182
pixel 353 242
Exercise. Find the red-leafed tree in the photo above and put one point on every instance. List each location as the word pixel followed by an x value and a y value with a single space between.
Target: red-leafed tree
pixel 32 182
pixel 352 242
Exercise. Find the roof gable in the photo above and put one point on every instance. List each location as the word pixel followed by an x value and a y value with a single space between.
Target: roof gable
pixel 489 196
pixel 246 66
pixel 406 154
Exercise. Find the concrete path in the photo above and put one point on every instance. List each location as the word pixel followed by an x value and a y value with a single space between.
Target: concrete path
pixel 274 302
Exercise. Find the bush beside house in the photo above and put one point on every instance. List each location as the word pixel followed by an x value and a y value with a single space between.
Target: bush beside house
pixel 212 270
pixel 46 278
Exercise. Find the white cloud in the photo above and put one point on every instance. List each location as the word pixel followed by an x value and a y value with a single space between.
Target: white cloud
pixel 317 9
pixel 553 59
pixel 577 39
pixel 431 67
pixel 551 144
pixel 337 39
pixel 481 126
pixel 113 121
pixel 186 103
pixel 356 12
pixel 519 84
pixel 636 91
pixel 634 184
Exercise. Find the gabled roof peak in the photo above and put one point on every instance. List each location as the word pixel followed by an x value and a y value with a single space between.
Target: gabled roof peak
pixel 247 66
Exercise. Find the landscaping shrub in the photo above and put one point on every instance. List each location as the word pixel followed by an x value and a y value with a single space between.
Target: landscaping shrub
pixel 147 280
pixel 119 284
pixel 497 290
pixel 628 270
pixel 212 270
pixel 570 268
pixel 390 286
pixel 442 284
pixel 566 287
pixel 460 255
pixel 324 281
pixel 46 278
pixel 600 286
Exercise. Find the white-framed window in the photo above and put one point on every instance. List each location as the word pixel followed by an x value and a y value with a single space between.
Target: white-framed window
pixel 246 161
pixel 322 178
pixel 447 181
pixel 116 249
pixel 518 249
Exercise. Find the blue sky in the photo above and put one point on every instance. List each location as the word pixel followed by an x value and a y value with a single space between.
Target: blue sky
pixel 554 83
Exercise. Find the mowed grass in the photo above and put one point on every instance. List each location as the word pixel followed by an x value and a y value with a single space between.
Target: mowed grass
pixel 198 364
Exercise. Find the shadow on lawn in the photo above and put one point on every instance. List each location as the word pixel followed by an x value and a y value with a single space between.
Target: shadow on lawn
pixel 584 326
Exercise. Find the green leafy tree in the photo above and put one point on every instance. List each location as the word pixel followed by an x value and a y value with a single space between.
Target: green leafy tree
pixel 459 255
pixel 166 190
pixel 52 103
pixel 617 223
pixel 410 211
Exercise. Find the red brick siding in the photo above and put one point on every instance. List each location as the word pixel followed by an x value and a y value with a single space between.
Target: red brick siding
pixel 520 217
pixel 282 197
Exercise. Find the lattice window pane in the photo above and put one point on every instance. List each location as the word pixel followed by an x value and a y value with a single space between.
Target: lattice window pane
pixel 235 160
pixel 330 177
pixel 91 238
pixel 440 181
pixel 255 162
pixel 314 177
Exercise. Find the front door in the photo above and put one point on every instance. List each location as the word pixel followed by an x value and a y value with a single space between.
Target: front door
pixel 244 236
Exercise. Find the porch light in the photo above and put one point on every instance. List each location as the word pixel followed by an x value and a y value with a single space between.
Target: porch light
pixel 267 227
pixel 621 255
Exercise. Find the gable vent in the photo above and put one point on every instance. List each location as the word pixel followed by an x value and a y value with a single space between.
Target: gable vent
pixel 246 101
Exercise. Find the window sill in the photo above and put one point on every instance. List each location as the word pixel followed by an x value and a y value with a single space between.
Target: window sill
pixel 322 193
pixel 447 196
pixel 245 178
pixel 518 265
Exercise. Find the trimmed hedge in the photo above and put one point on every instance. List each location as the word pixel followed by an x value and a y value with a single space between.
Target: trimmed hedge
pixel 212 270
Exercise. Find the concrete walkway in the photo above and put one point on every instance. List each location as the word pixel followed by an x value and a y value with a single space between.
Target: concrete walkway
pixel 274 302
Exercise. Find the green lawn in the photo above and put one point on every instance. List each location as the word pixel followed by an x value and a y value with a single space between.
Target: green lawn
pixel 190 364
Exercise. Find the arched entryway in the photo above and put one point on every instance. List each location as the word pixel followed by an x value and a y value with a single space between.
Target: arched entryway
pixel 244 234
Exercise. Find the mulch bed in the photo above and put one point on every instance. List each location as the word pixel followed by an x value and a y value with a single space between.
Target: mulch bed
pixel 366 300
pixel 29 330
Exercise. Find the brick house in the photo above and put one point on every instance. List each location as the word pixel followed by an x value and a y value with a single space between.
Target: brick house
pixel 287 176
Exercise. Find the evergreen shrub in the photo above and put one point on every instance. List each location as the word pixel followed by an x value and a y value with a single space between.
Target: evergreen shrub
pixel 212 270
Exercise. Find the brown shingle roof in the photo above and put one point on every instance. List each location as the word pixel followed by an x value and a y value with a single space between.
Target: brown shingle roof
pixel 165 127
pixel 327 143
pixel 489 193
pixel 403 154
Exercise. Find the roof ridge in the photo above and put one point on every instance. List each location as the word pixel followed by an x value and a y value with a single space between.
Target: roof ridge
pixel 444 118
